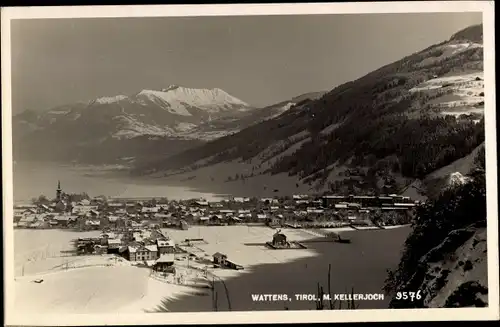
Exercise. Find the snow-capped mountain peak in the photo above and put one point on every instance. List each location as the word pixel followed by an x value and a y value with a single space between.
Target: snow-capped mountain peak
pixel 170 87
pixel 179 100
pixel 103 100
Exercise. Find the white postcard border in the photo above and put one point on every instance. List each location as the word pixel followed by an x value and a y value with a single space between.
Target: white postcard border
pixel 489 313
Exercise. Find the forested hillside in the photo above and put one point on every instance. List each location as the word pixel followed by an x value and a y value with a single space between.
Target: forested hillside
pixel 405 119
pixel 445 255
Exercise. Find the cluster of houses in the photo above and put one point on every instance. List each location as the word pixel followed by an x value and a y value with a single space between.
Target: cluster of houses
pixel 146 246
pixel 151 247
pixel 134 245
pixel 121 214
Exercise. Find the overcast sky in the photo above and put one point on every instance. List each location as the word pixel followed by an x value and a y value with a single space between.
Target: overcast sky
pixel 259 59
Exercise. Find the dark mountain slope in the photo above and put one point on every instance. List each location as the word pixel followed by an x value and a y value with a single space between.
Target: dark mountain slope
pixel 407 118
pixel 473 33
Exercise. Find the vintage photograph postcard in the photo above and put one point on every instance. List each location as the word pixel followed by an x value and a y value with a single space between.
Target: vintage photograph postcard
pixel 249 163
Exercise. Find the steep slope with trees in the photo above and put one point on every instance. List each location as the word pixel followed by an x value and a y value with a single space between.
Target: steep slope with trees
pixel 396 124
pixel 445 256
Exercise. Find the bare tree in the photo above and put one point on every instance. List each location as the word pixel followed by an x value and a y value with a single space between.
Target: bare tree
pixel 351 305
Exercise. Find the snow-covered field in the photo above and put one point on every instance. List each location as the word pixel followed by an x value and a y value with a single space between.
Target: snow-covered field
pixel 79 284
pixel 40 251
pixel 450 50
pixel 98 284
pixel 465 93
pixel 231 241
pixel 85 290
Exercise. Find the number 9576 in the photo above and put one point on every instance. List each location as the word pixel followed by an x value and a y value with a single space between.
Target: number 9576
pixel 412 296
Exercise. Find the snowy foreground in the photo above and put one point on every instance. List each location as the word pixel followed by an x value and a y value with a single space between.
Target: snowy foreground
pixel 101 284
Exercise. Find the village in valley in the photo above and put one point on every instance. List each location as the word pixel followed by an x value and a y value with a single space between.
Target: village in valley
pixel 136 231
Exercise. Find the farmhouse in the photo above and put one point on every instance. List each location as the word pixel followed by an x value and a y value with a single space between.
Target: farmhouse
pixel 314 210
pixel 162 216
pixel 114 245
pixel 25 206
pixel 95 224
pixel 245 215
pixel 404 205
pixel 42 208
pixel 302 204
pixel 216 219
pixel 143 253
pixel 202 203
pixel 26 221
pixel 234 220
pixel 241 200
pixel 84 202
pixel 150 209
pixel 269 201
pixel 226 212
pixel 93 213
pixel 165 246
pixel 39 224
pixel 83 209
pixel 220 258
pixel 165 263
pixel 216 205
pixel 113 219
pixel 331 200
pixel 342 205
pixel 64 220
pixel 274 222
pixel 115 205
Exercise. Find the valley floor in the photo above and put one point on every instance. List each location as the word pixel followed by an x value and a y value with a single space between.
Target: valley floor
pixel 215 179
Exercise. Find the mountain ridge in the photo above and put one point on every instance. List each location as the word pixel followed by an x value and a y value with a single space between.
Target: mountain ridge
pixel 103 125
pixel 407 118
pixel 168 117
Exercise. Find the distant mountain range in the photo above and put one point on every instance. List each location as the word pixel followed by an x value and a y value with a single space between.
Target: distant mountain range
pixel 120 128
pixel 375 134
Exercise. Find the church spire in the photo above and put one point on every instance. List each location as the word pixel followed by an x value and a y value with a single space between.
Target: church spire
pixel 58 191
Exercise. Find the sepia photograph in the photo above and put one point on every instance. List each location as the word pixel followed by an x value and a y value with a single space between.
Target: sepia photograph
pixel 249 163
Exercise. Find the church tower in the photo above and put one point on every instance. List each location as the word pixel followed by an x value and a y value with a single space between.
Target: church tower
pixel 58 191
